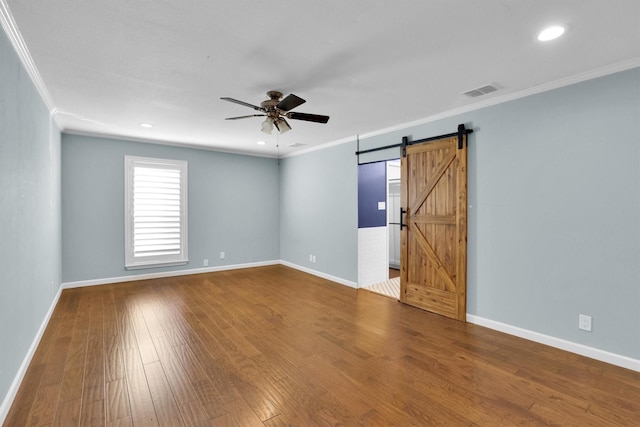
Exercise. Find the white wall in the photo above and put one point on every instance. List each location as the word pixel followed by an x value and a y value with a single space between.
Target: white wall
pixel 373 261
pixel 393 212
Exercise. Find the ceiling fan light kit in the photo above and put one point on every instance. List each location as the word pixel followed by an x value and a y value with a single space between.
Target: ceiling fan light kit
pixel 267 125
pixel 282 125
pixel 276 110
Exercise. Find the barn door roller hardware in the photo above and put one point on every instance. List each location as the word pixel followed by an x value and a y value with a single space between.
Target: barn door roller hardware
pixel 462 131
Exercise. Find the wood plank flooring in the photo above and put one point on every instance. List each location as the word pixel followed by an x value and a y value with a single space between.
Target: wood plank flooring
pixel 272 346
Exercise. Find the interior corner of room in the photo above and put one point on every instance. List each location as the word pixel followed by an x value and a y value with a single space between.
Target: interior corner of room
pixel 553 231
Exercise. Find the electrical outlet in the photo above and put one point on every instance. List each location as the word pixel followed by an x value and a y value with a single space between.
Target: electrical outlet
pixel 205 262
pixel 584 322
pixel 222 255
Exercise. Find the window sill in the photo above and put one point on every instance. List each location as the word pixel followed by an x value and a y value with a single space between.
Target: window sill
pixel 154 264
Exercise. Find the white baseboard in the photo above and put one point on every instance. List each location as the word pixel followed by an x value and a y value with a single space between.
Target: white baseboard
pixel 131 278
pixel 583 350
pixel 134 277
pixel 320 274
pixel 594 353
pixel 15 385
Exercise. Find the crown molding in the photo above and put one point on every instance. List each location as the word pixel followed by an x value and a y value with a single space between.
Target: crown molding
pixel 545 87
pixel 176 144
pixel 13 33
pixel 556 84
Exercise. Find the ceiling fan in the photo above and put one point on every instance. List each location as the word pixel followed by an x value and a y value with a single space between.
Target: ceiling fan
pixel 276 110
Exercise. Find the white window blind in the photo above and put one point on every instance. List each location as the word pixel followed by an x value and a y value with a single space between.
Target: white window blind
pixel 156 212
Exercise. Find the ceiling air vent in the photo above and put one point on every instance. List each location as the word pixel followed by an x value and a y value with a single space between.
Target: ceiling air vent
pixel 297 144
pixel 473 93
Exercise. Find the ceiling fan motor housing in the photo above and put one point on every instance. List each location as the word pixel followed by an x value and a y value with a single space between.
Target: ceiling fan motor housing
pixel 270 104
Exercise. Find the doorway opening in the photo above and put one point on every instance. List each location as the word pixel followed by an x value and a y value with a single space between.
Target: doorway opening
pixel 433 181
pixel 379 227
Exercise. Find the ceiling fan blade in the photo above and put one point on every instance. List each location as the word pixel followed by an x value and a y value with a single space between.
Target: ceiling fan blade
pixel 317 118
pixel 290 102
pixel 246 104
pixel 245 117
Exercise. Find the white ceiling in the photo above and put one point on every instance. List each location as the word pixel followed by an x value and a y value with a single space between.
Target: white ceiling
pixel 110 65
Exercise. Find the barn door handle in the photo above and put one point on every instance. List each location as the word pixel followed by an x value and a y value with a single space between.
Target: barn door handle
pixel 402 212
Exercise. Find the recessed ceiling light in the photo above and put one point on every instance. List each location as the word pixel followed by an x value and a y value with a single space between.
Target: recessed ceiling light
pixel 261 143
pixel 146 125
pixel 551 33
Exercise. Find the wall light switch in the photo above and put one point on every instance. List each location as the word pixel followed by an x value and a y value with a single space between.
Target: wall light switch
pixel 382 206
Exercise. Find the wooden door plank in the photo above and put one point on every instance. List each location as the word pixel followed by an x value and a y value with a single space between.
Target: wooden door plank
pixel 440 270
pixel 404 244
pixel 431 181
pixel 435 300
pixel 434 219
pixel 461 230
pixel 434 251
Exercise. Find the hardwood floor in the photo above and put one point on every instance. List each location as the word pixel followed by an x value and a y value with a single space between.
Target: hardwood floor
pixel 273 346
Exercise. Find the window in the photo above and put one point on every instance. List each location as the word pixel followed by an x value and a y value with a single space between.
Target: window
pixel 155 212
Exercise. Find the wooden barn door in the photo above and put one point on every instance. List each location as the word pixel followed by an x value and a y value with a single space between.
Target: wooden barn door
pixel 434 237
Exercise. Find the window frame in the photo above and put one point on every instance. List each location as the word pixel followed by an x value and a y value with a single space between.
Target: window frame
pixel 131 261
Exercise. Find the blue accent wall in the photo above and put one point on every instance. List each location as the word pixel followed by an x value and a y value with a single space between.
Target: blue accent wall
pixel 372 188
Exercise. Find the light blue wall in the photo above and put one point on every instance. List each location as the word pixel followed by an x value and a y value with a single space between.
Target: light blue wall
pixel 555 228
pixel 554 216
pixel 319 211
pixel 233 207
pixel 554 194
pixel 29 213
